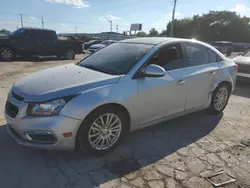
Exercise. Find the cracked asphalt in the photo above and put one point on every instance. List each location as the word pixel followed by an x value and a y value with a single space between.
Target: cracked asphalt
pixel 173 154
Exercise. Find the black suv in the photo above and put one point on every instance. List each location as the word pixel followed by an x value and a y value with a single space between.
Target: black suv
pixel 37 42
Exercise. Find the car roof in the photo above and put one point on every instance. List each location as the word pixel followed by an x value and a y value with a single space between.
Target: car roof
pixel 225 42
pixel 149 40
pixel 35 28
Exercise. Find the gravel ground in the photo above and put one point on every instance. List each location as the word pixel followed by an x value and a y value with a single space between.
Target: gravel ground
pixel 173 154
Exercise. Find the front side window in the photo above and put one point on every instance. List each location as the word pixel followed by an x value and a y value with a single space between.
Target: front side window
pixel 18 32
pixel 169 57
pixel 116 59
pixel 196 54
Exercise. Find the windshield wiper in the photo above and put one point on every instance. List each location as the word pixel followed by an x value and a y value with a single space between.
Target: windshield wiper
pixel 99 69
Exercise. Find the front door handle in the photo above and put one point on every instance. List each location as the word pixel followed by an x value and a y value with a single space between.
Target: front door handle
pixel 212 73
pixel 180 82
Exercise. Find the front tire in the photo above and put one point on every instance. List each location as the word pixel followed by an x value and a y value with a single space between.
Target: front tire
pixel 69 55
pixel 220 99
pixel 101 131
pixel 6 54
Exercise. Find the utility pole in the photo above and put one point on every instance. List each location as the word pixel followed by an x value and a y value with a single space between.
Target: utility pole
pixel 110 21
pixel 42 22
pixel 117 28
pixel 172 23
pixel 21 17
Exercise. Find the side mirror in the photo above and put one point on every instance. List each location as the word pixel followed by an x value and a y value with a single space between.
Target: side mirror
pixel 154 71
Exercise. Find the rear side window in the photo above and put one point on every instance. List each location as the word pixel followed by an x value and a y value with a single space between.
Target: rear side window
pixel 196 54
pixel 213 56
pixel 48 35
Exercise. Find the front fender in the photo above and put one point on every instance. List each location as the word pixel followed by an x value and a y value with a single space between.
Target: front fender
pixel 80 106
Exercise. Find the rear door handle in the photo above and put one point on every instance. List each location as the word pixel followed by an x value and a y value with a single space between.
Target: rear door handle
pixel 212 73
pixel 180 82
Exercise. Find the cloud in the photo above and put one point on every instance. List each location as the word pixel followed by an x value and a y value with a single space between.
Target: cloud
pixel 74 3
pixel 109 17
pixel 241 9
pixel 162 21
pixel 63 25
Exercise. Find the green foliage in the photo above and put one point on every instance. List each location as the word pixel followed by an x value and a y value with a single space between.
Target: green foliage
pixel 213 26
pixel 4 31
pixel 153 32
pixel 141 34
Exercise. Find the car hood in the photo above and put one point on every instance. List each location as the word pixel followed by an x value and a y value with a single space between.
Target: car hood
pixel 60 81
pixel 241 60
pixel 97 46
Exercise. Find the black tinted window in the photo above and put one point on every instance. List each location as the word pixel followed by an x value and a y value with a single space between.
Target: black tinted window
pixel 48 35
pixel 117 58
pixel 170 57
pixel 196 54
pixel 33 34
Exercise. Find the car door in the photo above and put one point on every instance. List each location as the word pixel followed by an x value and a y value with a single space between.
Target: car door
pixel 22 42
pixel 164 96
pixel 202 75
pixel 48 43
pixel 31 42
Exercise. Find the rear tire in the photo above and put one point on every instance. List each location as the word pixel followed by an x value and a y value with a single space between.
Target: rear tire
pixel 69 55
pixel 6 54
pixel 220 99
pixel 98 126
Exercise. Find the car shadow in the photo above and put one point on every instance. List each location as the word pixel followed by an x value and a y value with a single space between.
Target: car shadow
pixel 138 150
pixel 242 89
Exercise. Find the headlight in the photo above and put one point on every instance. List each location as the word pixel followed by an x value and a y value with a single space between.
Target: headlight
pixel 51 108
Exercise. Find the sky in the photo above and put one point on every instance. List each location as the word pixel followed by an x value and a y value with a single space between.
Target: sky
pixel 87 16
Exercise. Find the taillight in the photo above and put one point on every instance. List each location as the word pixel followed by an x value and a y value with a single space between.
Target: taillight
pixel 236 67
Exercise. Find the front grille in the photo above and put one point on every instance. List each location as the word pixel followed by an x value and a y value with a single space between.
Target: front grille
pixel 17 97
pixel 11 110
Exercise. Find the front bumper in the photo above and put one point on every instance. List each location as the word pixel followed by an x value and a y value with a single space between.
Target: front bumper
pixel 19 126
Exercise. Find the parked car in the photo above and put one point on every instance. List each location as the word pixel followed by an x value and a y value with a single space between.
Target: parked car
pixel 92 42
pixel 224 47
pixel 243 62
pixel 37 42
pixel 96 47
pixel 126 86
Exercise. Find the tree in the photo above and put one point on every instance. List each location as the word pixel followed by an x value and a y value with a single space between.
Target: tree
pixel 4 31
pixel 153 32
pixel 141 34
pixel 215 25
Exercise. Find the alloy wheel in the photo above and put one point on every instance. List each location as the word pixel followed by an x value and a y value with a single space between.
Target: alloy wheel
pixel 69 55
pixel 6 54
pixel 105 131
pixel 221 98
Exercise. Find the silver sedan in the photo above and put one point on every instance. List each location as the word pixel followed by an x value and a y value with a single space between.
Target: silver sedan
pixel 126 86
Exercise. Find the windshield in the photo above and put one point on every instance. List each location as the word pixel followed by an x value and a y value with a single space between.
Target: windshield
pixel 106 42
pixel 17 32
pixel 117 58
pixel 246 54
